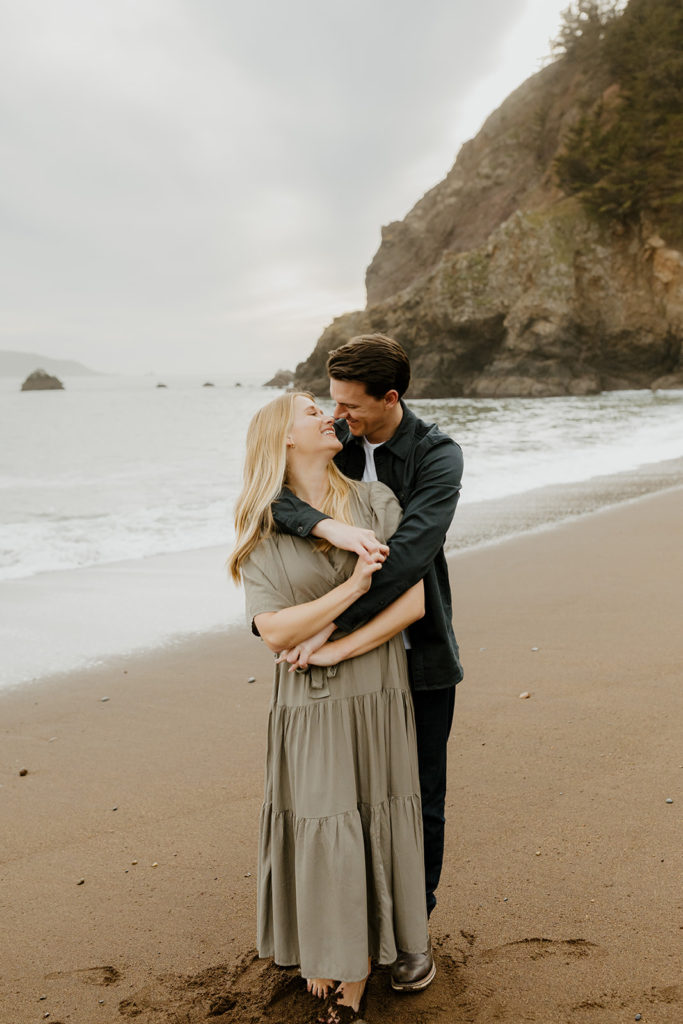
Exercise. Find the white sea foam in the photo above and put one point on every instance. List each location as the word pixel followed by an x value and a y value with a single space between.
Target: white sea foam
pixel 113 469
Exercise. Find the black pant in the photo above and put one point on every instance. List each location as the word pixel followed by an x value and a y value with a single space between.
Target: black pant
pixel 433 719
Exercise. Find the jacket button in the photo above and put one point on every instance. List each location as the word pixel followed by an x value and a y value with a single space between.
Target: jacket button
pixel 300 529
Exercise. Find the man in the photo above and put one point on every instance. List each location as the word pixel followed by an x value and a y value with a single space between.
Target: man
pixel 384 440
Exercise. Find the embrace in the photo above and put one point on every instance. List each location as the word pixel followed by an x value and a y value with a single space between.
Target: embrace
pixel 339 541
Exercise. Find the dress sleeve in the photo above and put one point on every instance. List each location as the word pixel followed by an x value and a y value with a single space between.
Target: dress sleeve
pixel 261 590
pixel 386 511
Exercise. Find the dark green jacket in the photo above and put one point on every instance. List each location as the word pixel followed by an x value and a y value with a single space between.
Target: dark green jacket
pixel 423 467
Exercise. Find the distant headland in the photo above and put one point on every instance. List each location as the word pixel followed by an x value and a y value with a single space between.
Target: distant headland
pixel 19 364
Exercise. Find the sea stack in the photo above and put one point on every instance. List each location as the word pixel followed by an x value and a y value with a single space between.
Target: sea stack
pixel 282 379
pixel 40 380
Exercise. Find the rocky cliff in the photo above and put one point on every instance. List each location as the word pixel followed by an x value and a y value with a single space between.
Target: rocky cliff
pixel 499 284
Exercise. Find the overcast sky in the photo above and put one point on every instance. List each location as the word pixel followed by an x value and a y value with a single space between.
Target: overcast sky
pixel 199 185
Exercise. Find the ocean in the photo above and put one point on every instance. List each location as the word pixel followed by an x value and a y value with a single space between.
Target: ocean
pixel 119 477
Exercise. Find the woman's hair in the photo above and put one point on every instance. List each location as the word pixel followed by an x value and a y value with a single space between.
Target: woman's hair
pixel 374 360
pixel 265 474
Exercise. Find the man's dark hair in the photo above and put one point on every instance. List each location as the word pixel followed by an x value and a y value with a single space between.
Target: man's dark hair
pixel 375 360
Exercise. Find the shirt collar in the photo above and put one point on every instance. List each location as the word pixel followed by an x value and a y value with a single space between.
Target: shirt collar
pixel 400 442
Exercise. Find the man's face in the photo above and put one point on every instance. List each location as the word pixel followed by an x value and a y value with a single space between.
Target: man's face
pixel 364 414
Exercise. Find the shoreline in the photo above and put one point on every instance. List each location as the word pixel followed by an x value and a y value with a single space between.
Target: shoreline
pixel 558 900
pixel 56 619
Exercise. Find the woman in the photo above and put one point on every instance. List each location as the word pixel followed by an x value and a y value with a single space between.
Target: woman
pixel 341 876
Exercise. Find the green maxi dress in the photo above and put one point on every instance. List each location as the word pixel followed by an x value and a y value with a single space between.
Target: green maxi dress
pixel 341 870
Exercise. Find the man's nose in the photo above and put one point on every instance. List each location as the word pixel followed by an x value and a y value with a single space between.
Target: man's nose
pixel 340 412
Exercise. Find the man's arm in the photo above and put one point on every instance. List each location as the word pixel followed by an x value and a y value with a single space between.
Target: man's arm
pixel 427 515
pixel 294 516
pixel 406 609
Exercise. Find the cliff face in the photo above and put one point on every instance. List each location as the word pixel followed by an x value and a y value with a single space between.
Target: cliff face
pixel 497 284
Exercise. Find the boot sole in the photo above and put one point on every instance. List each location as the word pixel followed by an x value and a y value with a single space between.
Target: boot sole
pixel 415 986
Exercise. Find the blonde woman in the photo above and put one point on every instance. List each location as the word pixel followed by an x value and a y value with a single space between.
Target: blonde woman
pixel 341 874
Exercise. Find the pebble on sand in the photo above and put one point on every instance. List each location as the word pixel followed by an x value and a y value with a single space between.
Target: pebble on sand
pixel 81 881
pixel 669 800
pixel 525 695
pixel 534 648
pixel 104 699
pixel 251 679
pixel 23 771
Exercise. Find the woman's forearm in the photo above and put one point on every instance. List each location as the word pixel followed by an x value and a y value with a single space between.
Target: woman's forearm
pixel 291 626
pixel 400 613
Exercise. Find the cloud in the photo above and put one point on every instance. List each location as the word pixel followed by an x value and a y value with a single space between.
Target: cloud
pixel 190 182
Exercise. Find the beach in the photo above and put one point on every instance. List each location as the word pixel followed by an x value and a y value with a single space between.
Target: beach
pixel 128 869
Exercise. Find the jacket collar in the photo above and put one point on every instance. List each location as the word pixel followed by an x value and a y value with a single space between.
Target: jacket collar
pixel 399 443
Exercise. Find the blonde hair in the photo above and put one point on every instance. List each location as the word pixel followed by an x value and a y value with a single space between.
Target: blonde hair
pixel 265 474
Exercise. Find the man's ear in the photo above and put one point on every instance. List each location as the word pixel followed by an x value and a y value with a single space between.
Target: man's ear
pixel 391 398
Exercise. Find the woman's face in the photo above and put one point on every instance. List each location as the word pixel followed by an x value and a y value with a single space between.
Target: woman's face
pixel 311 430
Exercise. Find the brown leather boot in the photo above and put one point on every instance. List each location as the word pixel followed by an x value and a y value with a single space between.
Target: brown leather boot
pixel 412 972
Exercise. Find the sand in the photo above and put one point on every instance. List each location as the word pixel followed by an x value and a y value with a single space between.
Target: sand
pixel 127 851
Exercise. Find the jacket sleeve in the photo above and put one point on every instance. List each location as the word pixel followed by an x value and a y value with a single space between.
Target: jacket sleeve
pixel 293 515
pixel 427 515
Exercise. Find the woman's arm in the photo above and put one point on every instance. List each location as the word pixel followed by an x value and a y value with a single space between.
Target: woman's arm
pixel 288 627
pixel 405 609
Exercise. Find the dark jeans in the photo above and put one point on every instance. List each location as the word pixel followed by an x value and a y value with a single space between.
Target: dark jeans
pixel 433 719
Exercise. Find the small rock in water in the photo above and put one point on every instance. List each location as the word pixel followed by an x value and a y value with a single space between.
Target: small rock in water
pixel 525 695
pixel 23 771
pixel 669 800
pixel 104 699
pixel 251 679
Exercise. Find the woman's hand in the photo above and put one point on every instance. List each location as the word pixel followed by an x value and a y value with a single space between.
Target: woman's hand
pixel 328 654
pixel 350 538
pixel 364 570
pixel 299 656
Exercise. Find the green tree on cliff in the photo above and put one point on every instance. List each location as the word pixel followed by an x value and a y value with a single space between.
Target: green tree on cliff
pixel 624 155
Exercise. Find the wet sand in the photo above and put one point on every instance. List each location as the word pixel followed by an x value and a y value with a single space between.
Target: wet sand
pixel 127 851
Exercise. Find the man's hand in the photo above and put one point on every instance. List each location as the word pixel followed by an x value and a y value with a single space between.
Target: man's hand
pixel 350 538
pixel 298 656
